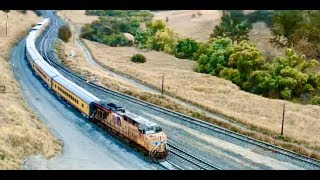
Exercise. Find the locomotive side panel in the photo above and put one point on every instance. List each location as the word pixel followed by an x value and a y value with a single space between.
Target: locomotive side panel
pixel 118 123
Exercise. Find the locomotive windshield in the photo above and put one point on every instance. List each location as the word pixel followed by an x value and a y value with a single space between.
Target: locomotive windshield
pixel 158 129
pixel 151 130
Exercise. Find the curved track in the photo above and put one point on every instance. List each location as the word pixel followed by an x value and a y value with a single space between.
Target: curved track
pixel 84 145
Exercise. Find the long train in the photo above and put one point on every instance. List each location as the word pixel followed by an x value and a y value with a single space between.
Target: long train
pixel 143 134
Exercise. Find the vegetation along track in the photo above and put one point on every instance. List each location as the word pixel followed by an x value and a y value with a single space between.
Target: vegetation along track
pixel 49 55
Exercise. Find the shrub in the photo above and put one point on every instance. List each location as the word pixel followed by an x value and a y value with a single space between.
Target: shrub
pixel 138 58
pixel 315 100
pixel 233 25
pixel 185 48
pixel 116 40
pixel 64 33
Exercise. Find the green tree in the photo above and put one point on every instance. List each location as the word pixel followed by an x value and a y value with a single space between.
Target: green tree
pixel 263 82
pixel 111 25
pixel 114 40
pixel 233 25
pixel 64 33
pixel 203 64
pixel 157 25
pixel 245 57
pixel 284 24
pixel 231 74
pixel 213 60
pixel 186 48
pixel 203 49
pixel 291 78
pixel 142 36
pixel 164 40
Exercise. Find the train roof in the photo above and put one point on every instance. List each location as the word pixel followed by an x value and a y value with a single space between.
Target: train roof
pixel 75 89
pixel 32 35
pixel 139 119
pixel 36 27
pixel 46 68
pixel 34 55
pixel 30 43
pixel 119 110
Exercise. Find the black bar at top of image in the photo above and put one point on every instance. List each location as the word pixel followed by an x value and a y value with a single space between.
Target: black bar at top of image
pixel 159 4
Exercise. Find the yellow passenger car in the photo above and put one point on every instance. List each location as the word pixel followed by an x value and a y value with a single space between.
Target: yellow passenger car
pixel 75 95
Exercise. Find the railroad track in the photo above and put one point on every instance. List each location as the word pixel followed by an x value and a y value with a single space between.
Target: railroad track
pixel 203 165
pixel 48 57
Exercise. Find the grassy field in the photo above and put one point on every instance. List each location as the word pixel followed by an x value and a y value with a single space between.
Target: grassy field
pixel 21 132
pixel 196 24
pixel 260 36
pixel 78 18
pixel 215 94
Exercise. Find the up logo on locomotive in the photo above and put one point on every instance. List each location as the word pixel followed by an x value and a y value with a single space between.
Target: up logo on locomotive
pixel 116 119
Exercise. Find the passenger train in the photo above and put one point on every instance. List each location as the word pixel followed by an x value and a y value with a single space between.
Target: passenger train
pixel 143 134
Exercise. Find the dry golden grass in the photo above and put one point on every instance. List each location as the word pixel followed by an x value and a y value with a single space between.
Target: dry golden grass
pixel 215 94
pixel 196 24
pixel 77 17
pixel 260 36
pixel 21 133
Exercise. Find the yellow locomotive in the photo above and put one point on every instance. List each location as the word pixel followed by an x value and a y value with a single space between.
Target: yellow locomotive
pixel 147 136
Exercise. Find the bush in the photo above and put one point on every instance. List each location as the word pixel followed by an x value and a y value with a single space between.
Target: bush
pixel 64 33
pixel 121 13
pixel 315 100
pixel 138 58
pixel 116 40
pixel 233 25
pixel 185 48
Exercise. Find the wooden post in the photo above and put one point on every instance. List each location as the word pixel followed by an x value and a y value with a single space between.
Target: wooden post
pixel 162 84
pixel 284 108
pixel 7 24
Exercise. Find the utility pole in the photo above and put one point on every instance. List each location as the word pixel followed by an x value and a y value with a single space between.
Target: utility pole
pixel 162 84
pixel 284 108
pixel 7 23
pixel 7 11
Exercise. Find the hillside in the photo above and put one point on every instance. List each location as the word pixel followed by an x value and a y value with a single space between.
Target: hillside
pixel 196 24
pixel 21 133
pixel 215 94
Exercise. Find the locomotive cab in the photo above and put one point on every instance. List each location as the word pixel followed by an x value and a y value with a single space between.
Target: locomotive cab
pixel 156 139
pixel 150 130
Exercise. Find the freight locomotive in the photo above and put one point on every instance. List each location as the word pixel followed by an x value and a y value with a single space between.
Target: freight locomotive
pixel 143 134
